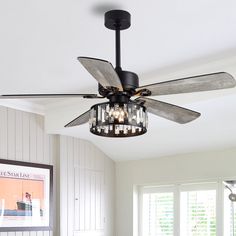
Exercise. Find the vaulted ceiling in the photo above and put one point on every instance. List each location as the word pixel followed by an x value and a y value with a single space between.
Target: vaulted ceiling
pixel 40 41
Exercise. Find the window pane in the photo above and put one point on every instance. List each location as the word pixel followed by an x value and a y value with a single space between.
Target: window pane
pixel 198 213
pixel 158 214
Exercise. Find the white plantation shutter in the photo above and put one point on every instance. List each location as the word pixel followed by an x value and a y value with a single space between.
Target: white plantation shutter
pixel 198 213
pixel 158 214
pixel 187 209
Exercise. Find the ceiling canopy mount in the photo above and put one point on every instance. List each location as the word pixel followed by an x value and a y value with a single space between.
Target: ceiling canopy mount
pixel 117 20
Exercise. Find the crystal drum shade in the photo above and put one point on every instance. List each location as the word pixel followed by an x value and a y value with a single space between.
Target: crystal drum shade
pixel 118 119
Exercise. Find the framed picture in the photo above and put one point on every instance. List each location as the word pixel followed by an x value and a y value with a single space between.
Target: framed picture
pixel 25 196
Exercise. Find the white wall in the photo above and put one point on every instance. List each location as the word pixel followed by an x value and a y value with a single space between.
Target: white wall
pixel 22 138
pixel 198 166
pixel 87 188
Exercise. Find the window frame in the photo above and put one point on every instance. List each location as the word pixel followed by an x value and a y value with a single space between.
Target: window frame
pixel 177 188
pixel 152 189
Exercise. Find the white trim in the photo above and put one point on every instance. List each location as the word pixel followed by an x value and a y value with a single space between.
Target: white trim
pixel 153 189
pixel 88 233
pixel 198 187
pixel 220 209
pixel 185 182
pixel 176 211
pixel 157 189
pixel 136 211
pixel 140 211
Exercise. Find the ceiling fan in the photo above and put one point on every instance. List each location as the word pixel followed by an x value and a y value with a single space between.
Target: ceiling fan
pixel 123 116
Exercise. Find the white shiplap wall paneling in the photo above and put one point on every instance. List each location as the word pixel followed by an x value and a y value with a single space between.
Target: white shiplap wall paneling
pixel 19 234
pixel 93 201
pixel 22 138
pixel 77 199
pixel 11 234
pixel 19 135
pixel 63 182
pixel 11 134
pixel 87 200
pixel 25 137
pixel 70 185
pixel 39 140
pixel 82 188
pixel 26 234
pixel 81 203
pixel 33 139
pixel 109 197
pixel 3 132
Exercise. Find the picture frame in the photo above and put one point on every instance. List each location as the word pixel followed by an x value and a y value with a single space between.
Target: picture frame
pixel 26 196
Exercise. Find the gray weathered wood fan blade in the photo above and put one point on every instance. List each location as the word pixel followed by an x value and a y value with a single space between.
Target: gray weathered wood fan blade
pixel 68 95
pixel 169 111
pixel 82 119
pixel 102 71
pixel 215 81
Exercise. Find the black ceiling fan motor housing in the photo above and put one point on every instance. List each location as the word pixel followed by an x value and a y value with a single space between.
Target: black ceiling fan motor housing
pixel 128 79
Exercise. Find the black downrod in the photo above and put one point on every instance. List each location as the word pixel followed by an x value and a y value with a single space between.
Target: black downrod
pixel 117 20
pixel 118 54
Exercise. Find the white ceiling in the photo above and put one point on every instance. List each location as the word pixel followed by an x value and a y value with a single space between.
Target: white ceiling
pixel 40 41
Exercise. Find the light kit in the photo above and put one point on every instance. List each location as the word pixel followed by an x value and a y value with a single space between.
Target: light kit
pixel 118 119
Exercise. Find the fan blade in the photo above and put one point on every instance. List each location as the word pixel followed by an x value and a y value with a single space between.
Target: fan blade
pixel 199 83
pixel 84 118
pixel 102 71
pixel 17 96
pixel 169 111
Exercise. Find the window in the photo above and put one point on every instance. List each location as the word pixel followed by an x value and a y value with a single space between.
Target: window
pixel 198 209
pixel 158 212
pixel 198 212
